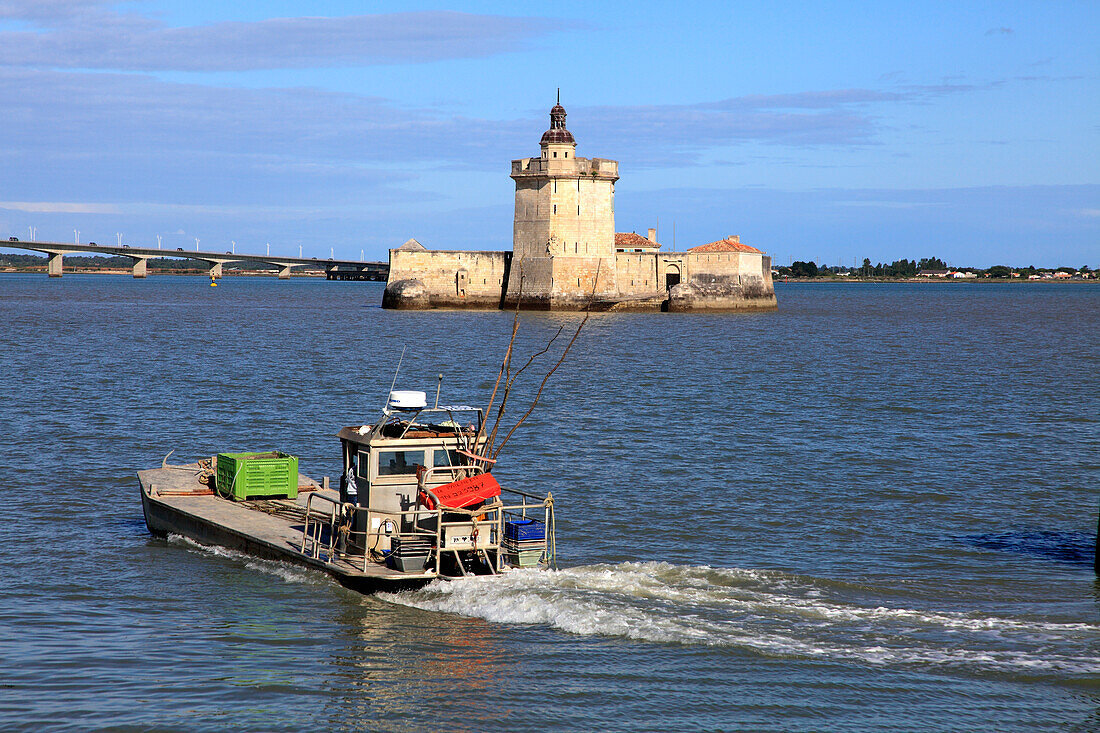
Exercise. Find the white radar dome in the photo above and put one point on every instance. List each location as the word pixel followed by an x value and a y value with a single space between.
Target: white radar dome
pixel 408 400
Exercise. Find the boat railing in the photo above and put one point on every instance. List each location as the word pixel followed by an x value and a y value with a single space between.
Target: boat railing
pixel 464 534
pixel 490 515
pixel 529 503
pixel 313 529
pixel 454 530
pixel 383 524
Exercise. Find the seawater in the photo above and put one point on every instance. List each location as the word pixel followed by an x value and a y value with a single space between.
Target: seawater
pixel 873 509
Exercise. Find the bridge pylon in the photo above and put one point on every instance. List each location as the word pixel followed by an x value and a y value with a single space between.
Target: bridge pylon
pixel 55 265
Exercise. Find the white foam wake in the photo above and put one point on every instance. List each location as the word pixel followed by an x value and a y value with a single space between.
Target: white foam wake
pixel 763 612
pixel 285 571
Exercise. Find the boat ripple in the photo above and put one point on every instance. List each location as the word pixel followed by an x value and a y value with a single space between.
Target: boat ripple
pixel 286 571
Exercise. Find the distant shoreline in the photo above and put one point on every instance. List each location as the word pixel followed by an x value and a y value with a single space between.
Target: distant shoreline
pixel 777 281
pixel 932 281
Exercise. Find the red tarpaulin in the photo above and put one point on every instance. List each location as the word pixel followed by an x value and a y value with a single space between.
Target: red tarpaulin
pixel 464 492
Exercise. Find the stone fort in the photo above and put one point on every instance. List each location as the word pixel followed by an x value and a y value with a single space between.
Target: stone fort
pixel 566 254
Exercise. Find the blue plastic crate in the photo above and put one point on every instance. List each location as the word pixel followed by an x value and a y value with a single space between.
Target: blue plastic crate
pixel 523 530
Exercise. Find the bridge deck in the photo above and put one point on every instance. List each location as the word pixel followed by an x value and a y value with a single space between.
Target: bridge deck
pixel 343 269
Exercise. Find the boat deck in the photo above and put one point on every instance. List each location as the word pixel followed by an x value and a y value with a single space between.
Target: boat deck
pixel 175 501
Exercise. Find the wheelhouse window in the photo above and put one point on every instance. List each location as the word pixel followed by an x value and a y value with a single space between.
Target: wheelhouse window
pixel 399 462
pixel 441 458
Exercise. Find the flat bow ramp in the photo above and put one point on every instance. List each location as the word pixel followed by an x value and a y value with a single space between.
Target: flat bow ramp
pixel 176 502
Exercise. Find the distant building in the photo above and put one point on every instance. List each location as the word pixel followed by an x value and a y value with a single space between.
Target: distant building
pixel 566 254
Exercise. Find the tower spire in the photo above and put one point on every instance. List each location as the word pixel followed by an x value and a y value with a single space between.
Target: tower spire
pixel 559 95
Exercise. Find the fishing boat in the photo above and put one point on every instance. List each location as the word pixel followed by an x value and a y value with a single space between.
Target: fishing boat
pixel 416 501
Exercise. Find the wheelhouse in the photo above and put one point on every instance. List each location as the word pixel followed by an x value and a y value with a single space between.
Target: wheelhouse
pixel 385 465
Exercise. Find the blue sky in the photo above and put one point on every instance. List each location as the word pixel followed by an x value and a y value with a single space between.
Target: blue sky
pixel 823 131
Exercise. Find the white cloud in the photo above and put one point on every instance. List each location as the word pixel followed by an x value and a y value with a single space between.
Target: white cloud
pixel 890 204
pixel 59 207
pixel 138 208
pixel 132 137
pixel 92 36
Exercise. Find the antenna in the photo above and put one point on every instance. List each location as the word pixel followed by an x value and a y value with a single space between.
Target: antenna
pixel 394 383
pixel 559 95
pixel 438 386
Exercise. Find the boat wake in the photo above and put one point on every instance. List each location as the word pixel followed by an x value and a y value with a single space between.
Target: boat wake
pixel 762 612
pixel 285 571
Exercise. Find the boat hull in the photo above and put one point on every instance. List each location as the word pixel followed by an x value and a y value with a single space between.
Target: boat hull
pixel 162 519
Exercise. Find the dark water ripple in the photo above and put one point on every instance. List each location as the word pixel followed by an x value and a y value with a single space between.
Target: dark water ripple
pixel 873 510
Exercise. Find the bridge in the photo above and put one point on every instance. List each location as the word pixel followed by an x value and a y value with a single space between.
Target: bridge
pixel 334 269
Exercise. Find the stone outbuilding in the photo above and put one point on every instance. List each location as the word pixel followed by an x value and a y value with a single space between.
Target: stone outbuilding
pixel 631 242
pixel 566 254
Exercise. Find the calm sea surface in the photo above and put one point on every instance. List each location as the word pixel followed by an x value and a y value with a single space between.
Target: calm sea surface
pixel 871 510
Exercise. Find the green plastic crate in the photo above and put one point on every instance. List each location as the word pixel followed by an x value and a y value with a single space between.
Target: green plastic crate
pixel 248 475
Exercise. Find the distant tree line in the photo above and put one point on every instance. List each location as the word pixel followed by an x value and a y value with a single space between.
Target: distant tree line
pixel 911 268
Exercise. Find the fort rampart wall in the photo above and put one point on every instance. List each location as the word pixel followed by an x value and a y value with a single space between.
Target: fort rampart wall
pixel 446 279
pixel 647 281
pixel 719 281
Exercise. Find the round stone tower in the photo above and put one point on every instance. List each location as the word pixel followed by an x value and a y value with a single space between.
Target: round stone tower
pixel 563 237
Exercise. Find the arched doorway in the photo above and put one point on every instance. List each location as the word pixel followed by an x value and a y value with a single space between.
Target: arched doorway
pixel 672 276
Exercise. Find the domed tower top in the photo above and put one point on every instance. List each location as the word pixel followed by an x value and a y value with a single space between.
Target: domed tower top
pixel 557 134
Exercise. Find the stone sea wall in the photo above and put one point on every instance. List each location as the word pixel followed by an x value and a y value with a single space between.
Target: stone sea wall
pixel 722 281
pixel 424 279
pixel 643 281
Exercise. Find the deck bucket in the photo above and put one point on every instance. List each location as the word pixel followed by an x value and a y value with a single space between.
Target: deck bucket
pixel 409 554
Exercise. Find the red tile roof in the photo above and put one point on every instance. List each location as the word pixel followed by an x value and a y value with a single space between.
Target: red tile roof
pixel 729 244
pixel 630 240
